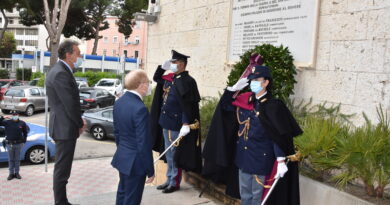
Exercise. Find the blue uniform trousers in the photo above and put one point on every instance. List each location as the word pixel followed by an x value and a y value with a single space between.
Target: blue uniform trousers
pixel 130 189
pixel 14 157
pixel 250 190
pixel 173 174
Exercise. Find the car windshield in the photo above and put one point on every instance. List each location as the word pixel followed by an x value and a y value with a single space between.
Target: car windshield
pixel 106 83
pixel 2 83
pixel 85 94
pixel 15 93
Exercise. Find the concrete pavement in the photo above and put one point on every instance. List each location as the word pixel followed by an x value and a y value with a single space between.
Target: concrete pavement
pixel 93 182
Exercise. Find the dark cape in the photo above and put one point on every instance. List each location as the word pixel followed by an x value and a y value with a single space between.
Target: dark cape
pixel 220 145
pixel 188 153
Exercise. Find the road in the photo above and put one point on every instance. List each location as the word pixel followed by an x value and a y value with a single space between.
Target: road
pixel 86 147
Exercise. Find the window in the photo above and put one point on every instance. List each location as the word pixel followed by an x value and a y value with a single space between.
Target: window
pixel 126 40
pixel 135 54
pixel 107 114
pixel 99 94
pixel 137 24
pixel 11 21
pixel 31 43
pixel 32 32
pixel 34 92
pixel 137 40
pixel 105 39
pixel 15 93
pixel 114 52
pixel 104 51
pixel 19 43
pixel 19 31
pixel 115 39
pixel 16 83
pixel 42 91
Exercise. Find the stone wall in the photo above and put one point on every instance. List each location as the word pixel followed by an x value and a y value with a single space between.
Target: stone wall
pixel 353 55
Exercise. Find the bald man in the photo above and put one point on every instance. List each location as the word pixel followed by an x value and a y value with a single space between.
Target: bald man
pixel 133 157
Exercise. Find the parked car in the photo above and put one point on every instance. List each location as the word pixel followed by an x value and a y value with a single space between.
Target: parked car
pixel 27 99
pixel 100 123
pixel 34 82
pixel 82 84
pixel 95 98
pixel 33 150
pixel 112 85
pixel 5 84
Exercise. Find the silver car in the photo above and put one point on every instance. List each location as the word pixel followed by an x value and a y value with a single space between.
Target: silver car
pixel 100 123
pixel 27 99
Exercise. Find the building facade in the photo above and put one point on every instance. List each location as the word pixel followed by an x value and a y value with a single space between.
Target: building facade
pixel 115 44
pixel 352 61
pixel 28 38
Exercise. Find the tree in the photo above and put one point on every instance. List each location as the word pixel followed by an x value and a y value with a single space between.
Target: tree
pixel 125 14
pixel 6 5
pixel 7 45
pixel 52 14
pixel 95 13
pixel 86 18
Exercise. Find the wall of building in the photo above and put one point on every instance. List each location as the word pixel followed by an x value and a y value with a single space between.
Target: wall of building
pixel 353 55
pixel 115 48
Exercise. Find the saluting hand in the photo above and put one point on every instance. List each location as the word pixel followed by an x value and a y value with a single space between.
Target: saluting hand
pixel 166 65
pixel 242 83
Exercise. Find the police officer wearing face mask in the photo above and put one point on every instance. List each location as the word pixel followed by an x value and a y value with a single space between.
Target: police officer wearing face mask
pixel 248 136
pixel 16 135
pixel 175 108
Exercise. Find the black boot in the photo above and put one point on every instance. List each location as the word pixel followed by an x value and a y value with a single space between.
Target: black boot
pixel 162 186
pixel 17 175
pixel 10 177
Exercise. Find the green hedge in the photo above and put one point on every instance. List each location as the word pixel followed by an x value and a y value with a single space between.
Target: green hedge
pixel 23 74
pixel 37 75
pixel 4 74
pixel 94 77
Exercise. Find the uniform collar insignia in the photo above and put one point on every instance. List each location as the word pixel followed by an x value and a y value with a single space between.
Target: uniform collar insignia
pixel 263 100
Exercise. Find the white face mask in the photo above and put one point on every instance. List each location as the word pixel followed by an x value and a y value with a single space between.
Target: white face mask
pixel 173 67
pixel 78 62
pixel 149 92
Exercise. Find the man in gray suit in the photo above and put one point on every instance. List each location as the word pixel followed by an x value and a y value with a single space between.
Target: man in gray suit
pixel 66 123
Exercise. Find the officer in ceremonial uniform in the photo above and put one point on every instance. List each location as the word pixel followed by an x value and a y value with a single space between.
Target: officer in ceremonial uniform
pixel 177 109
pixel 16 135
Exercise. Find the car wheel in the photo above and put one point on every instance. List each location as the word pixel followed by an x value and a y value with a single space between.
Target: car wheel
pixel 36 155
pixel 98 132
pixel 30 110
pixel 5 111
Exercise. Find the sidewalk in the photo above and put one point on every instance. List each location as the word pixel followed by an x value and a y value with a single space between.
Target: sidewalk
pixel 93 182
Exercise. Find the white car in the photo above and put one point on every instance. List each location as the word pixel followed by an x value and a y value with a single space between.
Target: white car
pixel 112 85
pixel 82 84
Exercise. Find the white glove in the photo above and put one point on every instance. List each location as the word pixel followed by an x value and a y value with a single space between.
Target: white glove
pixel 166 65
pixel 282 168
pixel 185 129
pixel 242 83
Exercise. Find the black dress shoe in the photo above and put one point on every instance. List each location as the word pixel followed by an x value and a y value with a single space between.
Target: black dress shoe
pixel 17 175
pixel 10 177
pixel 170 189
pixel 162 186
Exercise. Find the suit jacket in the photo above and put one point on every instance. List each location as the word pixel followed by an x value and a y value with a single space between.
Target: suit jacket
pixel 132 136
pixel 64 102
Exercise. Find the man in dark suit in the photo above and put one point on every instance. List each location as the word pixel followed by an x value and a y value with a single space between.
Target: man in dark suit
pixel 66 123
pixel 133 157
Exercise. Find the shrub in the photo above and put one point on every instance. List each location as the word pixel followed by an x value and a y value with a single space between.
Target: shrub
pixel 279 60
pixel 37 75
pixel 94 77
pixel 207 108
pixel 23 74
pixel 41 81
pixel 4 74
pixel 364 155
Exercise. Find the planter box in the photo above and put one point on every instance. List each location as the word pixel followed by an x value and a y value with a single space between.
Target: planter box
pixel 314 192
pixel 311 191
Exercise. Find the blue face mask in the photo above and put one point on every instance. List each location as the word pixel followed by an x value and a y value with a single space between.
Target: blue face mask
pixel 256 87
pixel 15 118
pixel 78 62
pixel 174 67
